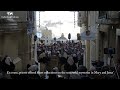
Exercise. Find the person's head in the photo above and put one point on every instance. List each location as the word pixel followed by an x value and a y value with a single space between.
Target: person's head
pixel 55 69
pixel 43 50
pixel 82 68
pixel 28 65
pixel 8 60
pixel 74 55
pixel 36 63
pixel 0 57
pixel 92 68
pixel 105 68
pixel 87 33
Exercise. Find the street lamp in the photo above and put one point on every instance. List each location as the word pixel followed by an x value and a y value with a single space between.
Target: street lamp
pixel 69 36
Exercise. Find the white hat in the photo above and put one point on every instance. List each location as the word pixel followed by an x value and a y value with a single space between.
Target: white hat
pixel 70 60
pixel 60 55
pixel 55 68
pixel 74 55
pixel 33 68
pixel 8 60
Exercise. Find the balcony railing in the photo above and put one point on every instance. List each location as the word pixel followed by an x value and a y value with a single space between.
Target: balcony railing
pixel 107 21
pixel 111 17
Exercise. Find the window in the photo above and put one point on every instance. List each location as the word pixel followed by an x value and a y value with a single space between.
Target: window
pixel 79 14
pixel 102 14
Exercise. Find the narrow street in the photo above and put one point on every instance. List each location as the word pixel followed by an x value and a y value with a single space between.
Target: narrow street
pixel 59 44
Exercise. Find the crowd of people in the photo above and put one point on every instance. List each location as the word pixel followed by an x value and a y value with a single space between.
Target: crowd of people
pixel 69 58
pixel 69 55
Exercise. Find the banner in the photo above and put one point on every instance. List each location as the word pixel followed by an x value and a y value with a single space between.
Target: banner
pixel 87 35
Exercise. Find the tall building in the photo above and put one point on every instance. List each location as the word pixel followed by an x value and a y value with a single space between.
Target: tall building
pixel 109 22
pixel 14 38
pixel 46 35
pixel 104 24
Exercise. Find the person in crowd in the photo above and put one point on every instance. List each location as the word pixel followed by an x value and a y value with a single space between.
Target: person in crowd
pixel 81 59
pixel 42 57
pixel 81 68
pixel 54 75
pixel 62 60
pixel 33 68
pixel 75 58
pixel 70 66
pixel 0 63
pixel 7 65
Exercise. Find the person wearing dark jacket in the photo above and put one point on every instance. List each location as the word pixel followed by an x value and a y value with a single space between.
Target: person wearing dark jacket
pixel 7 64
pixel 0 64
pixel 81 68
pixel 54 76
pixel 70 66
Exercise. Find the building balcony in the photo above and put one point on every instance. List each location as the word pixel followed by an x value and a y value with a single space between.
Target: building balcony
pixel 10 25
pixel 110 17
pixel 108 21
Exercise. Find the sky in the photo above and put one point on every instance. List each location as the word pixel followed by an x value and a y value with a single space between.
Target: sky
pixel 59 22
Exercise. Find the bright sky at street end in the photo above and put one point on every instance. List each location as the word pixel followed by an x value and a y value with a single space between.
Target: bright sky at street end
pixel 59 22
